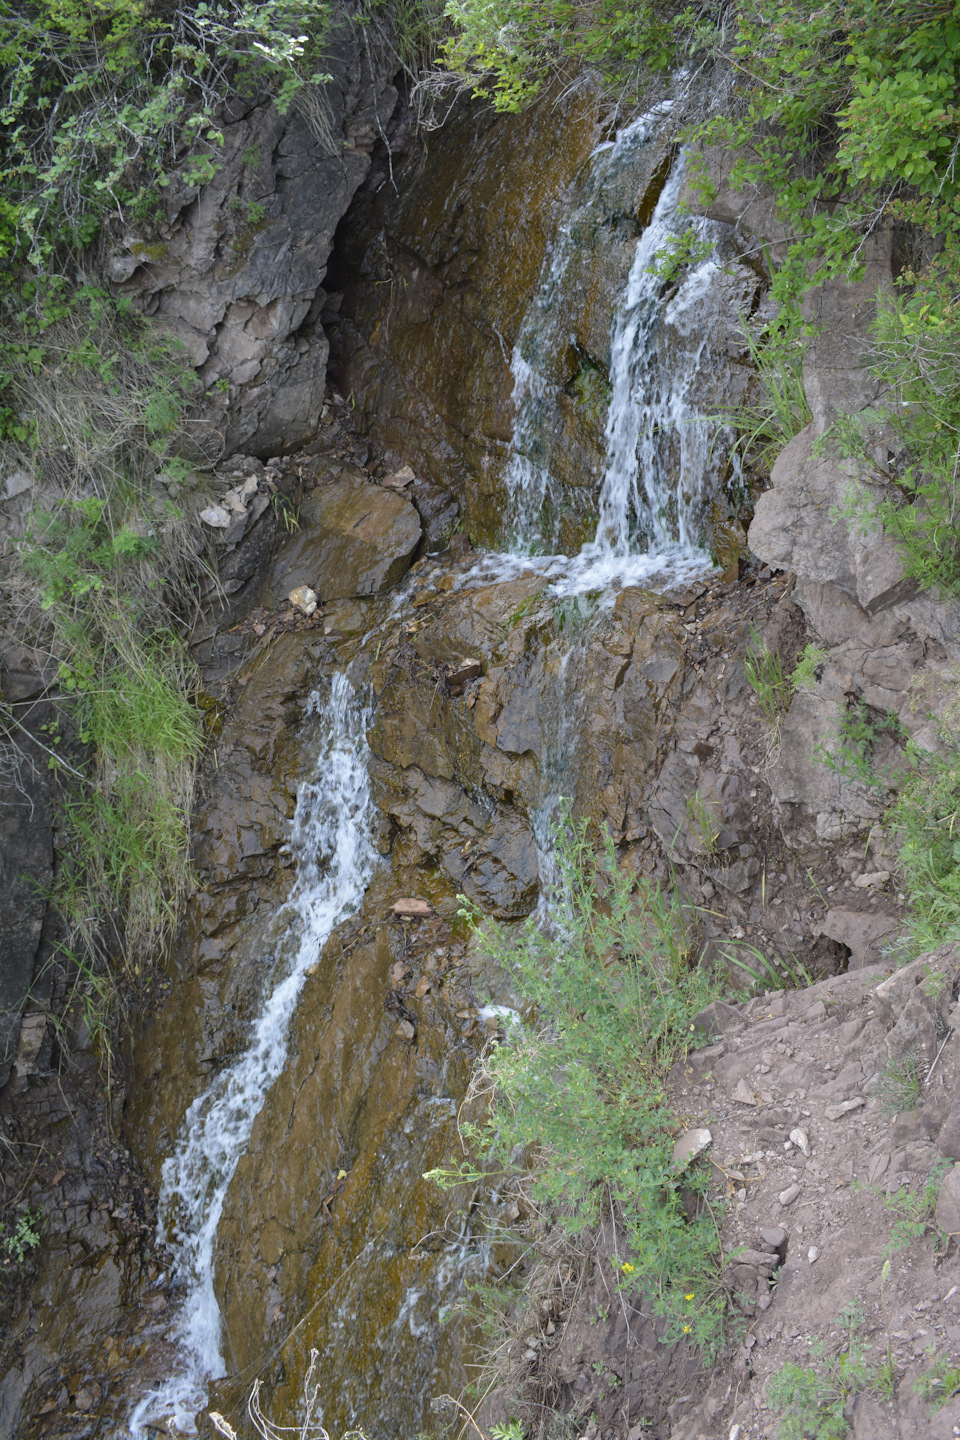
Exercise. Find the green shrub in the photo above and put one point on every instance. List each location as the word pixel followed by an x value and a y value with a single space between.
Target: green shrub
pixel 610 988
pixel 98 98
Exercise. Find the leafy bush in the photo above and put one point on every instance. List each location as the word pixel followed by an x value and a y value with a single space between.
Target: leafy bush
pixel 508 49
pixel 97 97
pixel 610 987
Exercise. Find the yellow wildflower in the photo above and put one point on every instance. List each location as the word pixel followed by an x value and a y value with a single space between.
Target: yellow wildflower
pixel 627 1268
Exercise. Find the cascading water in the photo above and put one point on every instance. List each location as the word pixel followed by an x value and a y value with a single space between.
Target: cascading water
pixel 662 459
pixel 331 838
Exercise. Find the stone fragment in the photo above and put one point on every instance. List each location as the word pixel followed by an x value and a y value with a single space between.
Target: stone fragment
pixel 410 908
pixel 799 1138
pixel 691 1144
pixel 788 1196
pixel 773 1235
pixel 948 1203
pixel 813 1254
pixel 216 517
pixel 836 1112
pixel 718 1018
pixel 744 1093
pixel 461 674
pixel 406 1030
pixel 16 483
pixel 948 1138
pixel 304 599
pixel 873 881
pixel 400 478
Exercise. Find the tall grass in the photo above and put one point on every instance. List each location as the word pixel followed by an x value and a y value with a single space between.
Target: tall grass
pixel 102 581
pixel 780 410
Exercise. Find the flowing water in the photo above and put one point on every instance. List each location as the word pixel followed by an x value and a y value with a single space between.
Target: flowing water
pixel 663 459
pixel 331 839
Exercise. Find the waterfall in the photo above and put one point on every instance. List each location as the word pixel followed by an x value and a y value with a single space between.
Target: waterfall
pixel 331 839
pixel 662 460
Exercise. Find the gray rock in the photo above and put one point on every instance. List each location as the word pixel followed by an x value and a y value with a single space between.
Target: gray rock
pixel 355 539
pixel 236 270
pixel 948 1203
pixel 835 377
pixel 796 527
pixel 860 931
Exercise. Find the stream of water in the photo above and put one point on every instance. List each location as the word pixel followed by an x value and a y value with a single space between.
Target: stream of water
pixel 663 459
pixel 335 857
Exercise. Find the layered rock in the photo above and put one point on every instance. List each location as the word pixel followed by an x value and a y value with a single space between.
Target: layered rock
pixel 235 268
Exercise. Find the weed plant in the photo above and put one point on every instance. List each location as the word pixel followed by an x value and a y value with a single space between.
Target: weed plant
pixel 856 754
pixel 914 1209
pixel 611 986
pixel 813 1398
pixel 809 668
pixel 764 671
pixel 24 1237
pixel 939 1384
pixel 900 1084
pixel 703 822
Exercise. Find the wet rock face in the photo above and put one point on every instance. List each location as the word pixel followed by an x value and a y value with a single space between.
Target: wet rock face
pixel 524 240
pixel 236 267
pixel 435 280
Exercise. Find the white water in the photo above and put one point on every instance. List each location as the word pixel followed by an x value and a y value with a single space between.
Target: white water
pixel 661 461
pixel 331 838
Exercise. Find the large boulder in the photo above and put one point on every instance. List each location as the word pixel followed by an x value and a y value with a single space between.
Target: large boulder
pixel 797 526
pixel 355 539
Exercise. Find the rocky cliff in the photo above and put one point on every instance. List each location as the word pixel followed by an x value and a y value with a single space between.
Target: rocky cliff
pixel 491 695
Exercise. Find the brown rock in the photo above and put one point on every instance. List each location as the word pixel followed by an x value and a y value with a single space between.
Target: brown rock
pixel 459 676
pixel 356 539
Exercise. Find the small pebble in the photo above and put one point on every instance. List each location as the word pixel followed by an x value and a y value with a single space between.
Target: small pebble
pixel 788 1196
pixel 813 1254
